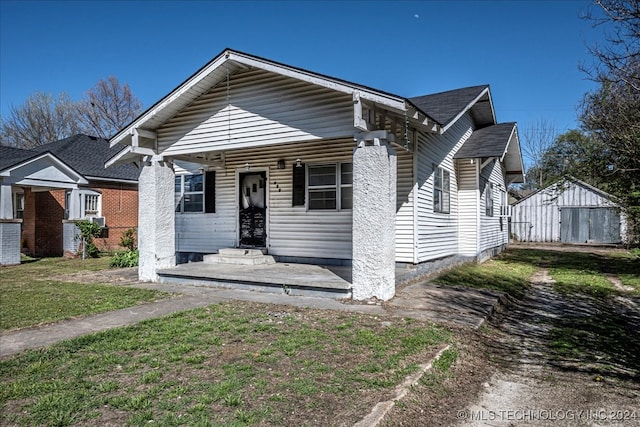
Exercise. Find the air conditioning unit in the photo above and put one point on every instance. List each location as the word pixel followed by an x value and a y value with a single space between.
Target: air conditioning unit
pixel 98 220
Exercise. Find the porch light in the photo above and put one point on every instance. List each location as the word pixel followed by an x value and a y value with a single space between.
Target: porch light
pixel 298 163
pixel 281 164
pixel 247 166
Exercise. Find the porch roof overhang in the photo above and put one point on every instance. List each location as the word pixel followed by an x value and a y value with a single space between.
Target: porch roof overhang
pixel 42 172
pixel 141 131
pixel 500 142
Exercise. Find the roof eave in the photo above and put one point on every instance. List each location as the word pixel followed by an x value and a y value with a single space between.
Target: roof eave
pixel 470 105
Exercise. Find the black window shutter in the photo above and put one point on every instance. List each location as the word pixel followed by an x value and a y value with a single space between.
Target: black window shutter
pixel 298 186
pixel 210 192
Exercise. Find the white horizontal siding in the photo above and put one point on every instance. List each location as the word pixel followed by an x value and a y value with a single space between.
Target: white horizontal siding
pixel 259 109
pixel 438 232
pixel 292 231
pixel 405 244
pixel 494 230
pixel 469 197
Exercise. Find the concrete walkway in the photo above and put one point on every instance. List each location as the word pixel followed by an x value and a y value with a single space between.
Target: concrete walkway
pixel 459 307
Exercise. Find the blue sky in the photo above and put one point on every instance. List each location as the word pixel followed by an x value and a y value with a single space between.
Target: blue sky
pixel 528 51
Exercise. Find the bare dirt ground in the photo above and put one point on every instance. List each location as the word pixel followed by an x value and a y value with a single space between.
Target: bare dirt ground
pixel 549 359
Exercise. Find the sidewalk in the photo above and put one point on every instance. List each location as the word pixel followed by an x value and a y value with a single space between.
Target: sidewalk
pixel 460 307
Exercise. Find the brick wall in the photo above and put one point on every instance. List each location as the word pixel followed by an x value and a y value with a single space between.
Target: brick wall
pixel 120 210
pixel 44 212
pixel 49 216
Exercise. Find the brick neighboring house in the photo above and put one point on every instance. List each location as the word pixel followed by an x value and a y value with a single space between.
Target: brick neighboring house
pixel 55 184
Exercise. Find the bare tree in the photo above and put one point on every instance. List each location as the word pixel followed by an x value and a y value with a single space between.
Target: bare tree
pixel 41 119
pixel 536 141
pixel 617 59
pixel 107 107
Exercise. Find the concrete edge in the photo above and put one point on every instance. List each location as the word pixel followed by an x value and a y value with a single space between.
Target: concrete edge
pixel 381 409
pixel 502 300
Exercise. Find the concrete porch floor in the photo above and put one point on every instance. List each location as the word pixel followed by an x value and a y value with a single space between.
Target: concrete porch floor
pixel 290 278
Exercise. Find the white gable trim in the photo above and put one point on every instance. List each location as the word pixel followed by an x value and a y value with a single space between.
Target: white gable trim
pixel 23 173
pixel 217 69
pixel 484 92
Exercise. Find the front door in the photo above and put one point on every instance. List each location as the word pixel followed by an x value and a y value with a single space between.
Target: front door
pixel 252 209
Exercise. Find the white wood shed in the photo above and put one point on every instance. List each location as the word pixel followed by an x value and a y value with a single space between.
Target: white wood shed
pixel 569 211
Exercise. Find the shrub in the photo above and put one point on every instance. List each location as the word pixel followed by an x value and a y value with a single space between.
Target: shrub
pixel 128 239
pixel 88 231
pixel 125 259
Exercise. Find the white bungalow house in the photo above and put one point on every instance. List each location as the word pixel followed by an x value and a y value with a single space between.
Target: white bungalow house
pixel 248 152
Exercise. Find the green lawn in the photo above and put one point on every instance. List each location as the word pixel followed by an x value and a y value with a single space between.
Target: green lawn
pixel 32 293
pixel 231 364
pixel 573 272
pixel 238 363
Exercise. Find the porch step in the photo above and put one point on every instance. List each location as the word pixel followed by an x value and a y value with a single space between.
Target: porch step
pixel 239 257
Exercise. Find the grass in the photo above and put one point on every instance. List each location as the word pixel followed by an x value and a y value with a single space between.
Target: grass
pixel 229 364
pixel 32 293
pixel 573 272
pixel 596 333
pixel 507 274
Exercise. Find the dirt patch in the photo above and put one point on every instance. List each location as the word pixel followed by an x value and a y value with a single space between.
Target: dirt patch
pixel 117 276
pixel 547 359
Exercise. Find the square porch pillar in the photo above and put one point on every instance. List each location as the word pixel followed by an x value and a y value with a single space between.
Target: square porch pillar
pixel 156 219
pixel 374 217
pixel 10 228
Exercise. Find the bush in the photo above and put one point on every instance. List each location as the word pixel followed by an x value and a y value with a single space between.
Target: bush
pixel 89 230
pixel 128 239
pixel 125 259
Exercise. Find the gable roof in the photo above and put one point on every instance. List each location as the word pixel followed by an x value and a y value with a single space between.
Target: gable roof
pixel 446 107
pixel 494 141
pixel 229 61
pixel 87 155
pixel 491 141
pixel 572 179
pixel 11 156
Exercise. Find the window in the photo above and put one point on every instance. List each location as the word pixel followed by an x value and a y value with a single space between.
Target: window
pixel 330 187
pixel 441 190
pixel 82 204
pixel 18 206
pixel 489 199
pixel 91 205
pixel 195 193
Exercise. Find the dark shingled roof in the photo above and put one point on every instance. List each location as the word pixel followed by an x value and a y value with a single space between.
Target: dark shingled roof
pixel 10 156
pixel 87 155
pixel 445 106
pixel 490 141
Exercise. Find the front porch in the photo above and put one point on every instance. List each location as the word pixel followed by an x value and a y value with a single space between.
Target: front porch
pixel 327 281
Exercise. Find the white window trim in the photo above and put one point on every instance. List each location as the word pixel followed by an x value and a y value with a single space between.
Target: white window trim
pixel 439 170
pixel 18 204
pixel 338 186
pixel 82 195
pixel 488 201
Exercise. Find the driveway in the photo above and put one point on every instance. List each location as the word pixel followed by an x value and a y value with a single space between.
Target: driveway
pixel 549 359
pixel 542 380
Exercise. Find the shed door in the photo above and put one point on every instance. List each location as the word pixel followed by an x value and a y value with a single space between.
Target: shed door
pixel 252 209
pixel 590 225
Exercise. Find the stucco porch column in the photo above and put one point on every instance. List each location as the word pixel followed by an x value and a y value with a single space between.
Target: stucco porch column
pixel 156 219
pixel 374 216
